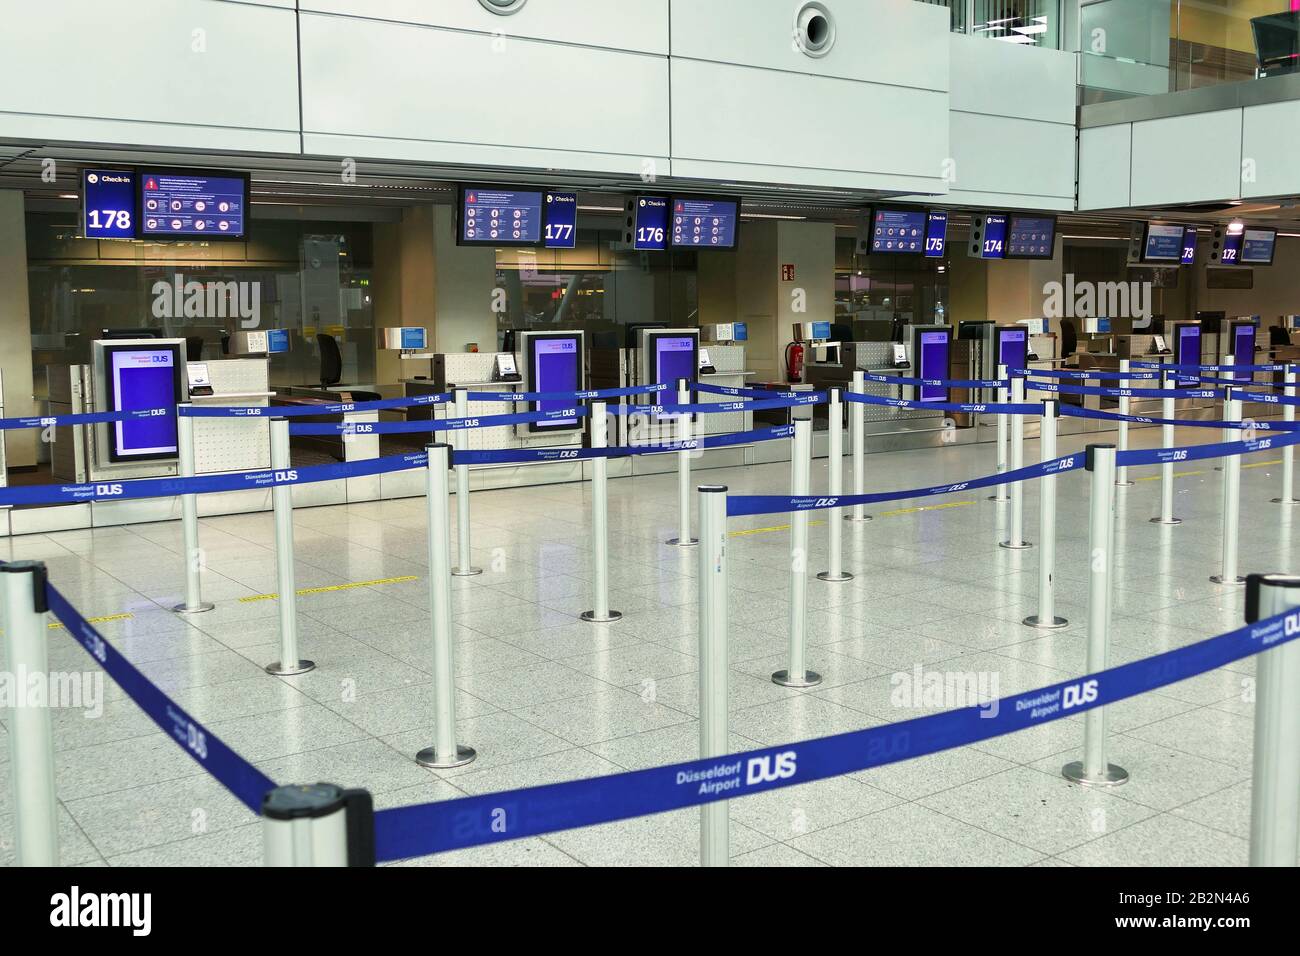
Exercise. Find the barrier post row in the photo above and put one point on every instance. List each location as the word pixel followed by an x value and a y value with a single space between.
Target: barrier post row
pixel 600 612
pixel 445 752
pixel 1275 774
pixel 714 664
pixel 797 674
pixel 1046 618
pixel 31 733
pixel 194 603
pixel 318 825
pixel 1125 405
pixel 683 539
pixel 1000 492
pixel 464 566
pixel 1288 453
pixel 286 581
pixel 1167 412
pixel 1016 537
pixel 1094 770
pixel 835 463
pixel 1231 496
pixel 857 435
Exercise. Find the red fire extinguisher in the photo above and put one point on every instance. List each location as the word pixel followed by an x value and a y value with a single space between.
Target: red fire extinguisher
pixel 794 363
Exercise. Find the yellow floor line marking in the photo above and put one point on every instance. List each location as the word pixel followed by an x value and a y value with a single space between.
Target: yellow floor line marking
pixel 334 587
pixel 95 620
pixel 1177 474
pixel 880 514
pixel 1263 464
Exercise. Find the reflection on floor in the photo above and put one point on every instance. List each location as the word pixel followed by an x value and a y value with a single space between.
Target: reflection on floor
pixel 544 697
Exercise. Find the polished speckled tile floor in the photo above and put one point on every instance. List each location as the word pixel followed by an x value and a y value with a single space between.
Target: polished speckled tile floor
pixel 544 697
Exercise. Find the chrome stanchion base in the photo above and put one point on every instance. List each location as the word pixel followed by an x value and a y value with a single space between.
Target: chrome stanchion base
pixel 1022 546
pixel 1169 523
pixel 1113 777
pixel 1285 501
pixel 834 578
pixel 590 617
pixel 204 606
pixel 999 499
pixel 679 543
pixel 428 757
pixel 863 518
pixel 810 679
pixel 1125 484
pixel 465 572
pixel 279 670
pixel 1055 624
pixel 1228 582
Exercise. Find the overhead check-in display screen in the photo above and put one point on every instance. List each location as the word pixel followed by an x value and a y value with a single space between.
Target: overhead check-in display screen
pixel 898 230
pixel 1031 237
pixel 500 216
pixel 650 223
pixel 561 220
pixel 1163 243
pixel 936 234
pixel 108 204
pixel 1257 246
pixel 181 203
pixel 699 222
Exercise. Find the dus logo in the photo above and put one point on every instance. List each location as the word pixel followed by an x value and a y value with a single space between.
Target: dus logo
pixel 825 502
pixel 1291 624
pixel 1076 695
pixel 767 769
pixel 107 491
pixel 348 407
pixel 568 454
pixel 469 423
pixel 1180 455
pixel 290 474
pixel 360 429
pixel 157 412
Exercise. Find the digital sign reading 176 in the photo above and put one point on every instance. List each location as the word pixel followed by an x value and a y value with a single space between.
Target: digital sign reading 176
pixel 650 223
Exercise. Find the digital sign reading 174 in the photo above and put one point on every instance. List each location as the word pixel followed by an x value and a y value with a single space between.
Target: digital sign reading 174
pixel 650 224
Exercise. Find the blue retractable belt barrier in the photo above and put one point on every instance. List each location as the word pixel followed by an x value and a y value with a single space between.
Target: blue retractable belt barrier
pixel 970 408
pixel 307 411
pixel 207 484
pixel 431 424
pixel 1268 398
pixel 934 382
pixel 1074 411
pixel 1090 375
pixel 1125 392
pixel 1164 456
pixel 404 832
pixel 1211 368
pixel 741 392
pixel 716 408
pixel 232 771
pixel 515 456
pixel 88 418
pixel 1238 383
pixel 570 396
pixel 739 505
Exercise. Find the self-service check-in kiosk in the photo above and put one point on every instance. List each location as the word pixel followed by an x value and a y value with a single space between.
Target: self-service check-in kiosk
pixel 1186 344
pixel 133 375
pixel 666 355
pixel 1240 344
pixel 553 362
pixel 931 352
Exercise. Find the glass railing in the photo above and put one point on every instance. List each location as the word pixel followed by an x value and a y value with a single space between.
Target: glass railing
pixel 1144 47
pixel 1022 22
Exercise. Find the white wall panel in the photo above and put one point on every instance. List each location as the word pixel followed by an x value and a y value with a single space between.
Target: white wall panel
pixel 624 25
pixel 1007 79
pixel 1192 158
pixel 899 42
pixel 1271 139
pixel 1012 157
pixel 782 127
pixel 400 91
pixel 136 71
pixel 1105 164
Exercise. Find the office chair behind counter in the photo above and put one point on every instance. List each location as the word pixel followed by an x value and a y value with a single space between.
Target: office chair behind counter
pixel 331 367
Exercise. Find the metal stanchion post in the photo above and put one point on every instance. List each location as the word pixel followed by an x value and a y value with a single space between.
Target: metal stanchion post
pixel 1288 453
pixel 600 612
pixel 464 566
pixel 1046 618
pixel 1121 471
pixel 318 825
pixel 857 435
pixel 714 664
pixel 798 675
pixel 194 603
pixel 1275 786
pixel 835 463
pixel 1231 495
pixel 286 582
pixel 1002 396
pixel 683 539
pixel 1093 769
pixel 1016 537
pixel 445 752
pixel 1167 438
pixel 31 733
